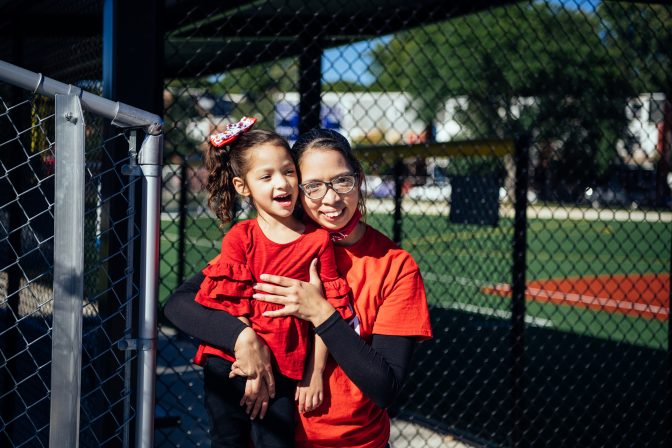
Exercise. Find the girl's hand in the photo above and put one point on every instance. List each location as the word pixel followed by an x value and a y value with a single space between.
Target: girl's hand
pixel 253 360
pixel 256 398
pixel 309 393
pixel 301 299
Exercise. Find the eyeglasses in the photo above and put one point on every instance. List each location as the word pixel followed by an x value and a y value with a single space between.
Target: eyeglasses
pixel 340 184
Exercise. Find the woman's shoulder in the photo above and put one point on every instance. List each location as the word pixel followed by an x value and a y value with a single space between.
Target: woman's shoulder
pixel 376 238
pixel 377 244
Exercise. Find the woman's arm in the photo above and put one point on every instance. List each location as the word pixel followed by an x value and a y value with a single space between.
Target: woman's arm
pixel 379 369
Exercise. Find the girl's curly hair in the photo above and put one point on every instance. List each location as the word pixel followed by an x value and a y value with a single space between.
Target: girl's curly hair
pixel 232 160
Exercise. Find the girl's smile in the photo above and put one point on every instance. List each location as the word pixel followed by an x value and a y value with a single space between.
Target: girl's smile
pixel 271 182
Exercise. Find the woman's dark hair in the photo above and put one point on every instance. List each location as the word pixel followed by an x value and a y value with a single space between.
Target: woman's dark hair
pixel 328 139
pixel 232 160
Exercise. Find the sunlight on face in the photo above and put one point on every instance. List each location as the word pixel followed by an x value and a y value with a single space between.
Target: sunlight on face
pixel 334 210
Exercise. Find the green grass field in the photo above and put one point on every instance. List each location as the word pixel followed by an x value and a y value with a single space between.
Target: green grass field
pixel 458 260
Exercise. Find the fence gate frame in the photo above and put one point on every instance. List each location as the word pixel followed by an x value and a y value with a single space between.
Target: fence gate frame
pixel 70 102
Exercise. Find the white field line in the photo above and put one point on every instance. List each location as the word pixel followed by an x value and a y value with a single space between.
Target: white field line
pixel 200 242
pixel 477 309
pixel 435 208
pixel 502 314
pixel 623 305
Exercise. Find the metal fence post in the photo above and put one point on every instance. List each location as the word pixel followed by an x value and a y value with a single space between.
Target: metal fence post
pixel 130 254
pixel 398 193
pixel 182 224
pixel 518 295
pixel 68 273
pixel 669 363
pixel 149 160
pixel 310 83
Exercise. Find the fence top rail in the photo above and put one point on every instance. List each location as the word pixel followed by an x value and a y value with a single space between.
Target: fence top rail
pixel 458 148
pixel 121 115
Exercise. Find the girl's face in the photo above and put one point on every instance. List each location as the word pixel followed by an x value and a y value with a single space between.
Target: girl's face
pixel 334 210
pixel 271 182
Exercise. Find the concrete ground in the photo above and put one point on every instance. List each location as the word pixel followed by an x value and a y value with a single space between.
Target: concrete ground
pixel 182 420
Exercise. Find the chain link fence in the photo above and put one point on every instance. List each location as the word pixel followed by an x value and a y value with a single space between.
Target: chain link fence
pixel 520 153
pixel 81 385
pixel 519 150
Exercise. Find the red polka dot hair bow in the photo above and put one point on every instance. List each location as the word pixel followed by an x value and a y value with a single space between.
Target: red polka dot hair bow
pixel 232 131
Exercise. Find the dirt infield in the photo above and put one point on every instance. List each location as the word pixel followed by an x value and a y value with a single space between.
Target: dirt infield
pixel 638 295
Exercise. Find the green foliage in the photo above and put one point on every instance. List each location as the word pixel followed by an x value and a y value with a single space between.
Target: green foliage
pixel 640 38
pixel 260 80
pixel 572 69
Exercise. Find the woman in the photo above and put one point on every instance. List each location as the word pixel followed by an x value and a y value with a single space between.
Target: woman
pixel 370 356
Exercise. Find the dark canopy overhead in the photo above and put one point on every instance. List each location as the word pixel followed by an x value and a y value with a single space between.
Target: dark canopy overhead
pixel 211 35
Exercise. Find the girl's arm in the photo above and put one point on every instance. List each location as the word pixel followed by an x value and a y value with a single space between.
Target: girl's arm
pixel 310 390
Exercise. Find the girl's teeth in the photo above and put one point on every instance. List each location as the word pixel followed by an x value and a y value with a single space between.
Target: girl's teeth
pixel 332 215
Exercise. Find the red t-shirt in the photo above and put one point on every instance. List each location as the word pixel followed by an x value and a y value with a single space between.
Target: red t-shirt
pixel 389 299
pixel 246 254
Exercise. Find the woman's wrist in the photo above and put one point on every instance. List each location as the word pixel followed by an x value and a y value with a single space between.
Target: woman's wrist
pixel 247 337
pixel 323 311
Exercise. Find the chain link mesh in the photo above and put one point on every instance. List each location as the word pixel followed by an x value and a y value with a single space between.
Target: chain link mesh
pixel 581 89
pixel 27 157
pixel 450 108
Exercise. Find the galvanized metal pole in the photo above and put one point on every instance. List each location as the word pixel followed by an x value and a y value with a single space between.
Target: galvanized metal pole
pixel 149 160
pixel 121 114
pixel 398 192
pixel 68 273
pixel 310 81
pixel 182 220
pixel 130 264
pixel 668 436
pixel 518 296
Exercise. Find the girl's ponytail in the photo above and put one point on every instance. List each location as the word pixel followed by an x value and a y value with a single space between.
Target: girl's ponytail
pixel 223 162
pixel 221 192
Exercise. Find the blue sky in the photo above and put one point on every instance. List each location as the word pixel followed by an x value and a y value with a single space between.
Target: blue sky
pixel 351 62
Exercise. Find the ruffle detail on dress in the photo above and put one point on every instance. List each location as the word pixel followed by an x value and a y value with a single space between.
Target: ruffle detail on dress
pixel 227 287
pixel 232 271
pixel 338 294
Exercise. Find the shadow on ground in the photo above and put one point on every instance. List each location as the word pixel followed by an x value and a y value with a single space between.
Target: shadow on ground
pixel 579 391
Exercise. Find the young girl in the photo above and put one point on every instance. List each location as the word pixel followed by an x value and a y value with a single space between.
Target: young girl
pixel 258 165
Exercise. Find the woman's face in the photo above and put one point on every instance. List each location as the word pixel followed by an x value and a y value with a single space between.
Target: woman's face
pixel 334 210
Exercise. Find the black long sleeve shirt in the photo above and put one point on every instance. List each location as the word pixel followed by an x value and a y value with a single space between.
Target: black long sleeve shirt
pixel 378 369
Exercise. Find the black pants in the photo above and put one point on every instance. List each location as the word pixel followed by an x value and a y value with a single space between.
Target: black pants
pixel 230 426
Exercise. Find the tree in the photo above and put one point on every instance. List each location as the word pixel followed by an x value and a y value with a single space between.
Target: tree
pixel 535 70
pixel 640 38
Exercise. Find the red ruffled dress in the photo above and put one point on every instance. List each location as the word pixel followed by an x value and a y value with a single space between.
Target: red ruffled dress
pixel 246 254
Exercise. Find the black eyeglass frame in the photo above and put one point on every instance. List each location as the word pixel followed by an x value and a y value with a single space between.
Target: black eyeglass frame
pixel 329 185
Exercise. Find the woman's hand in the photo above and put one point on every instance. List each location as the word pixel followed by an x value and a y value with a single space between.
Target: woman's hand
pixel 300 299
pixel 253 360
pixel 256 398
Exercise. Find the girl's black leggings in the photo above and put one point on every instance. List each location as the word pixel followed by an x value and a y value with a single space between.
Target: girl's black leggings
pixel 230 426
